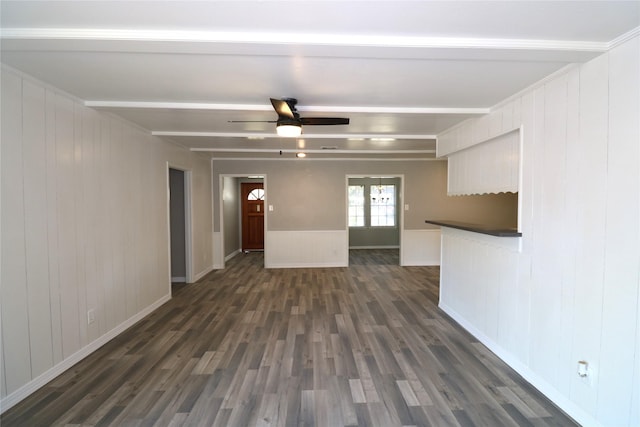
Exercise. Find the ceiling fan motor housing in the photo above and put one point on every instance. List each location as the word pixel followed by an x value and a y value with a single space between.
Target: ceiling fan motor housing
pixel 284 121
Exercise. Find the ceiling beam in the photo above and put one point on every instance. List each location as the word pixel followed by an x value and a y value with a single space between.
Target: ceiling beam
pixel 312 151
pixel 297 38
pixel 268 107
pixel 256 135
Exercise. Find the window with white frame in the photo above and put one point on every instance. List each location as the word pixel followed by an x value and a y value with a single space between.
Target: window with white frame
pixel 356 206
pixel 377 209
pixel 383 205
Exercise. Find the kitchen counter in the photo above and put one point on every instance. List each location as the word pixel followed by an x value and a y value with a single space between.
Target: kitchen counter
pixel 478 228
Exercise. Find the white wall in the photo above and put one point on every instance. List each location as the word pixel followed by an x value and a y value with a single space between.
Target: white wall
pixel 84 226
pixel 571 291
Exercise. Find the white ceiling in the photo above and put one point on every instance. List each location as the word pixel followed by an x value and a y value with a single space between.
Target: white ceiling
pixel 402 71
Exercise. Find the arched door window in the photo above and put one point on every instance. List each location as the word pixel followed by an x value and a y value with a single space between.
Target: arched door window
pixel 256 194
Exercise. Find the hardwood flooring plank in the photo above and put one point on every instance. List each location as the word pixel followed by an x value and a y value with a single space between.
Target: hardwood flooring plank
pixel 364 345
pixel 463 418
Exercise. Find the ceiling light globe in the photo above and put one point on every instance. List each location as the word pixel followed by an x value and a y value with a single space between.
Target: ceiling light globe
pixel 289 131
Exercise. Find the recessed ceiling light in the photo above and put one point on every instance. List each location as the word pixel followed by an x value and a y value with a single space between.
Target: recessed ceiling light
pixel 301 155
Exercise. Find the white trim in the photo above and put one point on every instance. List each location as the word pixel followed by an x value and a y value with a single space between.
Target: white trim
pixel 232 254
pixel 311 39
pixel 569 407
pixel 214 235
pixel 400 202
pixel 328 264
pixel 304 136
pixel 315 151
pixel 188 226
pixel 203 273
pixel 375 247
pixel 164 105
pixel 168 220
pixel 220 200
pixel 623 38
pixel 188 220
pixel 41 380
pixel 308 159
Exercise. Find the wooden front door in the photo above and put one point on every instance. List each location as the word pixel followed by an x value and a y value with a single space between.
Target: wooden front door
pixel 252 194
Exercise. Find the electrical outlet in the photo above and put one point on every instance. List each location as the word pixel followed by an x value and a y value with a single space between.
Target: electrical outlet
pixel 91 316
pixel 585 372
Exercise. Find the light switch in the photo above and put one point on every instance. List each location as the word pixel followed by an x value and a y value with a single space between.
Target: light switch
pixel 406 207
pixel 270 208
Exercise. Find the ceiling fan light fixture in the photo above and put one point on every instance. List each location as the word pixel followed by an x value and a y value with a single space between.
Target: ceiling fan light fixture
pixel 288 130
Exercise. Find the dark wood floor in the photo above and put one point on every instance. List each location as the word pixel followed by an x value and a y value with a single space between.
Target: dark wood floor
pixel 364 345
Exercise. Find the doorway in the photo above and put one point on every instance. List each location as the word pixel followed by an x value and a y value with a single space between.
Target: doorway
pixel 179 225
pixel 375 219
pixel 252 196
pixel 231 200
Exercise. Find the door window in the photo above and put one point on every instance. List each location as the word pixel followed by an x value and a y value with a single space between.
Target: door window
pixel 256 194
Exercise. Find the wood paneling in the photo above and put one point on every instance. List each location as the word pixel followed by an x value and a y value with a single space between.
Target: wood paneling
pixel 248 346
pixel 622 241
pixel 14 291
pixel 291 249
pixel 84 217
pixel 491 166
pixel 572 292
pixel 35 218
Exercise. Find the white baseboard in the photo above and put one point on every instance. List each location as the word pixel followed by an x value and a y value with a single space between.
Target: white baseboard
pixel 374 247
pixel 569 407
pixel 178 279
pixel 307 265
pixel 232 254
pixel 41 380
pixel 203 273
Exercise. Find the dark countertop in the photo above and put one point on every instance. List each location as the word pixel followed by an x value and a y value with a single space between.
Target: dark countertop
pixel 478 228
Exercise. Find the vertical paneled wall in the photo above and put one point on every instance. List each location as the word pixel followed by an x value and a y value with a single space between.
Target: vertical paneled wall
pixel 84 227
pixel 491 166
pixel 576 290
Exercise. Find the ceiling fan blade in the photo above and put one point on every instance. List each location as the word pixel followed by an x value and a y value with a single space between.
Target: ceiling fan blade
pixel 252 121
pixel 282 108
pixel 324 120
